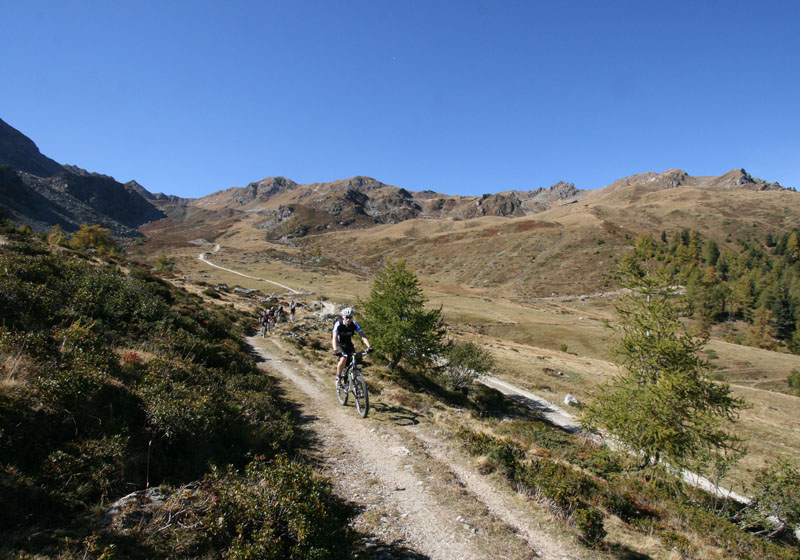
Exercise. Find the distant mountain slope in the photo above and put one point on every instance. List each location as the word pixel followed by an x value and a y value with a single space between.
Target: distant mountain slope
pixel 674 178
pixel 294 210
pixel 38 191
pixel 571 248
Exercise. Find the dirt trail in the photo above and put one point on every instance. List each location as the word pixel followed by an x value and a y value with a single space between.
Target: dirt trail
pixel 204 258
pixel 418 496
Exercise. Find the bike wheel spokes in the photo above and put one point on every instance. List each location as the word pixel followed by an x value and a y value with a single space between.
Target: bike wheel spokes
pixel 361 395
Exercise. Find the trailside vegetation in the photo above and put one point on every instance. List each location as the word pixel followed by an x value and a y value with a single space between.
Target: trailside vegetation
pixel 466 361
pixel 113 383
pixel 589 486
pixel 399 325
pixel 663 406
pixel 757 286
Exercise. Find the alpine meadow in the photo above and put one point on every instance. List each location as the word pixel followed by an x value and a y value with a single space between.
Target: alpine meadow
pixel 558 373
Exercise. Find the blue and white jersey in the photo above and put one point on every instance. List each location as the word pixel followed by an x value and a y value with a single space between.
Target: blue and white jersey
pixel 345 332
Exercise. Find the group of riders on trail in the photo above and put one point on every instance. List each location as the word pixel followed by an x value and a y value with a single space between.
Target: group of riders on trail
pixel 274 315
pixel 344 328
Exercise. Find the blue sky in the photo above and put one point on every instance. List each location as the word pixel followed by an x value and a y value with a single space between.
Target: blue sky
pixel 461 97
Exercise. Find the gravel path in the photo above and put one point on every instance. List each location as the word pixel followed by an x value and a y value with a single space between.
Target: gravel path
pixel 417 496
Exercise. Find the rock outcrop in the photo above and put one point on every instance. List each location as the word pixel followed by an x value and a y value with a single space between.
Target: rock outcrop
pixel 40 192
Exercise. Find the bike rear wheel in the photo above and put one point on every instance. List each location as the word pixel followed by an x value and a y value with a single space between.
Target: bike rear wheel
pixel 360 393
pixel 342 390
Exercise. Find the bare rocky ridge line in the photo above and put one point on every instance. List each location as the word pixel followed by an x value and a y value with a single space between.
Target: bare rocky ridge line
pixel 432 528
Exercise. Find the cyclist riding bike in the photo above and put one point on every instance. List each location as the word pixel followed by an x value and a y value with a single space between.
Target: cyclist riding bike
pixel 342 338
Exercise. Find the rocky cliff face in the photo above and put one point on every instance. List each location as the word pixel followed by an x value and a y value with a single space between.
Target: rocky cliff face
pixel 38 191
pixel 19 152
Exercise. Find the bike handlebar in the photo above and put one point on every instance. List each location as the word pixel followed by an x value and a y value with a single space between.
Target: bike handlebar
pixel 364 353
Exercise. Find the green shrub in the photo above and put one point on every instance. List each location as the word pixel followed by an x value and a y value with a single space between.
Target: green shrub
pixel 775 506
pixel 728 537
pixel 212 293
pixel 589 521
pixel 88 471
pixel 561 485
pixel 620 503
pixel 276 510
pixel 466 361
pixel 677 542
pixel 489 400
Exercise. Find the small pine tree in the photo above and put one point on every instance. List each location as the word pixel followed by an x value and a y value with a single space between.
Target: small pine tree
pixel 663 406
pixel 793 247
pixel 761 334
pixel 794 381
pixel 395 317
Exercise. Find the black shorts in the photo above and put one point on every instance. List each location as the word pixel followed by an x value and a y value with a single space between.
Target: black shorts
pixel 347 347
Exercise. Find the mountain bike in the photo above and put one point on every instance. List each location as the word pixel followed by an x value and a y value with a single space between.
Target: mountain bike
pixel 352 381
pixel 266 325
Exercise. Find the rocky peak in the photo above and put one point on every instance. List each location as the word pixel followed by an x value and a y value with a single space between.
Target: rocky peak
pixel 563 190
pixel 363 184
pixel 266 188
pixel 739 178
pixel 744 178
pixel 19 152
pixel 675 177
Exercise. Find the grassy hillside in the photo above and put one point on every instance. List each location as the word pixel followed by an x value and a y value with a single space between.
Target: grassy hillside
pixel 124 382
pixel 476 270
pixel 113 382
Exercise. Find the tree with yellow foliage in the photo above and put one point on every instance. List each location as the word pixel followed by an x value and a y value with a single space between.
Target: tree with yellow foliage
pixel 93 237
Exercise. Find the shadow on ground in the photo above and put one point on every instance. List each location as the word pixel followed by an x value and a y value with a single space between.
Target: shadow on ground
pixel 373 550
pixel 397 414
pixel 542 409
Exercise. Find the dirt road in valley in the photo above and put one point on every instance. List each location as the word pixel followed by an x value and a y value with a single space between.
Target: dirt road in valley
pixel 203 257
pixel 417 496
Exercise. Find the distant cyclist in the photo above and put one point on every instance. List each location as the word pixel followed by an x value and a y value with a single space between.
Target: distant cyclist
pixel 263 322
pixel 342 337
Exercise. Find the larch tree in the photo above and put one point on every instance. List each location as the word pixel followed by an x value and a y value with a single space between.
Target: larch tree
pixel 663 406
pixel 396 320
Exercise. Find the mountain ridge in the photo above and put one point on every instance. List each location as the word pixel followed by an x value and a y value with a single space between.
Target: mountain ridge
pixel 36 190
pixel 40 192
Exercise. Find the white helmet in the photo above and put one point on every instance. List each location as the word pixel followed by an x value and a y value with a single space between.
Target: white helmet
pixel 347 312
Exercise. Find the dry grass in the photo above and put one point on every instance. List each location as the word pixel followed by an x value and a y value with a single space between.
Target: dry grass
pixel 527 337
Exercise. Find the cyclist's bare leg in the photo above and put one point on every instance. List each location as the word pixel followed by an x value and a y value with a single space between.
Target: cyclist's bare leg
pixel 340 365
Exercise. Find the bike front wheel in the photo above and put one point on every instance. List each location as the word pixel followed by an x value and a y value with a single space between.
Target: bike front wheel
pixel 361 395
pixel 342 390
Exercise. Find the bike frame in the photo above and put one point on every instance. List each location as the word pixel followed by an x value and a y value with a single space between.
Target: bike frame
pixel 353 383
